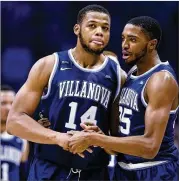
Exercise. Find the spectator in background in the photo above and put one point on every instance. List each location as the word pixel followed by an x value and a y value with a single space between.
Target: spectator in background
pixel 13 150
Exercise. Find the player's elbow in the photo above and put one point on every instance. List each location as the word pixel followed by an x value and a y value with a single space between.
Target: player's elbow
pixel 151 150
pixel 12 123
pixel 150 154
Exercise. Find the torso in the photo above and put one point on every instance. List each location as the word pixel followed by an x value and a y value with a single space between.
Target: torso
pixel 132 107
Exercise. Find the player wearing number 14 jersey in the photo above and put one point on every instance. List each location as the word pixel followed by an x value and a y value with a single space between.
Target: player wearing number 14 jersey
pixel 82 84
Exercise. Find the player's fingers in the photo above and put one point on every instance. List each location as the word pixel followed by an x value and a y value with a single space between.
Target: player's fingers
pixel 85 127
pixel 71 132
pixel 88 123
pixel 94 128
pixel 89 150
pixel 100 132
pixel 44 120
pixel 46 123
pixel 89 131
pixel 81 155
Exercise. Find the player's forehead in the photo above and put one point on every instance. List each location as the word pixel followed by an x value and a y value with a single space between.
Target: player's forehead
pixel 133 30
pixel 7 95
pixel 98 17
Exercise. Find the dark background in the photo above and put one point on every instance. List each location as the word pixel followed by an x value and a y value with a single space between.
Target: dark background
pixel 31 30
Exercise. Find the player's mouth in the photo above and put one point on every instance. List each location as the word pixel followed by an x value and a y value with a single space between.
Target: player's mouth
pixel 126 55
pixel 97 42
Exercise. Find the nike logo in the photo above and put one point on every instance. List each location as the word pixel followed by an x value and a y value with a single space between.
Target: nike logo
pixel 64 68
pixel 109 77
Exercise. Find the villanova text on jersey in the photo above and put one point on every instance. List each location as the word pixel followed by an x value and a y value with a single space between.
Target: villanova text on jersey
pixel 76 94
pixel 132 107
pixel 11 150
pixel 88 90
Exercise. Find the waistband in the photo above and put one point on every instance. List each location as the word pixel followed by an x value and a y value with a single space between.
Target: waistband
pixel 131 166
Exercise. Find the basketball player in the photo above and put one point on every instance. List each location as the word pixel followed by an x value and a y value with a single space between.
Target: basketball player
pixel 148 109
pixel 13 150
pixel 82 85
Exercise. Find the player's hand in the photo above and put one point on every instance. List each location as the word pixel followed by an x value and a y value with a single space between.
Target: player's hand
pixel 91 127
pixel 78 143
pixel 44 122
pixel 72 132
pixel 62 139
pixel 110 152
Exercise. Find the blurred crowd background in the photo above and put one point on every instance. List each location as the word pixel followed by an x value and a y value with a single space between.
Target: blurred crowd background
pixel 31 30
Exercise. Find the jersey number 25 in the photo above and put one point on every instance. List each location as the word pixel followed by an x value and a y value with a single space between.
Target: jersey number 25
pixel 124 118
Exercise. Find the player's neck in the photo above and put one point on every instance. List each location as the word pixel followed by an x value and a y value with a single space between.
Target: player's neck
pixel 3 127
pixel 147 62
pixel 87 60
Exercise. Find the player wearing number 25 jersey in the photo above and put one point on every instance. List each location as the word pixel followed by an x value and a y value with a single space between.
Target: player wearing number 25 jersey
pixel 148 108
pixel 132 107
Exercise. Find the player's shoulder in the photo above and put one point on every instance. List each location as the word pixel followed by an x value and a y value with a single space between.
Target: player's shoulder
pixel 47 61
pixel 163 77
pixel 45 65
pixel 162 80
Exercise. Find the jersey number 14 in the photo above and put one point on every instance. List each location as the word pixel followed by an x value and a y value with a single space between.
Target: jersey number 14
pixel 88 116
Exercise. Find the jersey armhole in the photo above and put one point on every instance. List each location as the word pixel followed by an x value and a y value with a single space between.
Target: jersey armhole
pixel 118 75
pixel 143 99
pixel 51 76
pixel 24 145
pixel 142 94
pixel 119 81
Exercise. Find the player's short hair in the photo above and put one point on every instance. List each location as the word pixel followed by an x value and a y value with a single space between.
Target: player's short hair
pixel 91 8
pixel 6 88
pixel 150 26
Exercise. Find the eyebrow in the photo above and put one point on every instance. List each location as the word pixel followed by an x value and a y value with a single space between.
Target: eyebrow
pixel 92 21
pixel 131 36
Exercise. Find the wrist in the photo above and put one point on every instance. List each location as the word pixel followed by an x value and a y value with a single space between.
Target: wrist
pixel 90 138
pixel 53 137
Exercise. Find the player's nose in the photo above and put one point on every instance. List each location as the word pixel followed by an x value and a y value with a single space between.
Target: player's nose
pixel 99 31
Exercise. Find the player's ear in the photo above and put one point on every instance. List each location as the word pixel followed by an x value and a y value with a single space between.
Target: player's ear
pixel 152 44
pixel 76 29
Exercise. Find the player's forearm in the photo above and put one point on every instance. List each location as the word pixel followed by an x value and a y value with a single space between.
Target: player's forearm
pixel 25 127
pixel 133 145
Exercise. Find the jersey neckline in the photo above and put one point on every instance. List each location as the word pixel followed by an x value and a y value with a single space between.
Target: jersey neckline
pixel 150 70
pixel 86 69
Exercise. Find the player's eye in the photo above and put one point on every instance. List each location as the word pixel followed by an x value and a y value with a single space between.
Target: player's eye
pixel 105 28
pixel 92 25
pixel 133 39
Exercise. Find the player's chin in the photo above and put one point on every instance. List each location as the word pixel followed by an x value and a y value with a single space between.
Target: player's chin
pixel 97 47
pixel 128 60
pixel 97 50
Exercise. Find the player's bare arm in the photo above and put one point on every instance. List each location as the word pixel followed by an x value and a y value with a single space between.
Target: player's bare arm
pixel 162 96
pixel 27 99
